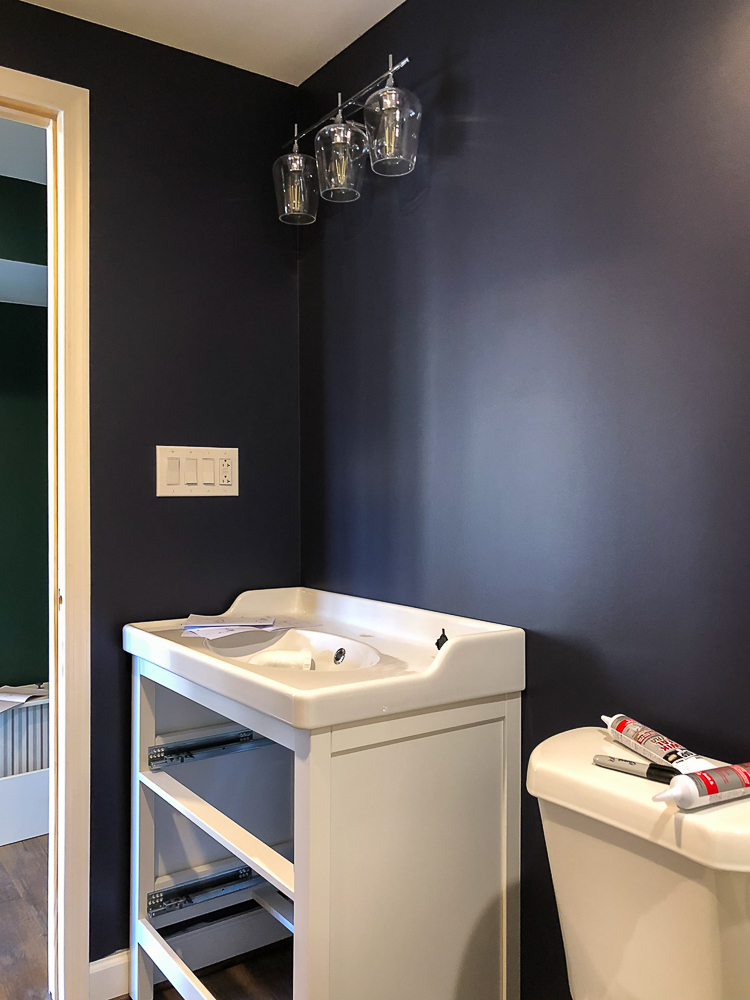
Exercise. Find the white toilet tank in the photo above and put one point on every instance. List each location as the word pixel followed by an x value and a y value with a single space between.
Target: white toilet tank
pixel 654 904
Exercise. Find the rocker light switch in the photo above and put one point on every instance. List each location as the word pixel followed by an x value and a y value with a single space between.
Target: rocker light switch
pixel 197 472
pixel 173 472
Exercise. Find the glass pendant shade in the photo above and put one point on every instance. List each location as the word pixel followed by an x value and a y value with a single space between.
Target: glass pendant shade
pixel 296 189
pixel 393 117
pixel 340 152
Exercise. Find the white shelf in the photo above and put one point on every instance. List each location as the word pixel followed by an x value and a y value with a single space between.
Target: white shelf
pixel 238 841
pixel 276 904
pixel 174 969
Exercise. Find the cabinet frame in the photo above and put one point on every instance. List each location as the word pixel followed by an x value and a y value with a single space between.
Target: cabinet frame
pixel 308 882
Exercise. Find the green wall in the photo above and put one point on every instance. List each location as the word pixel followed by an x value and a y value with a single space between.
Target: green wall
pixel 23 446
pixel 23 494
pixel 23 220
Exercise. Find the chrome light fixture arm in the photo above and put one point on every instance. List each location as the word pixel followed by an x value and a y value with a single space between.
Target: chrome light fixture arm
pixel 355 101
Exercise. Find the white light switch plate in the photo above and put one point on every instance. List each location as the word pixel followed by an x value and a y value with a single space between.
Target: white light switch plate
pixel 197 472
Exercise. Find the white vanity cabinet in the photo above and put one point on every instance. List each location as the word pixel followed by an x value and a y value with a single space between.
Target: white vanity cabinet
pixel 368 808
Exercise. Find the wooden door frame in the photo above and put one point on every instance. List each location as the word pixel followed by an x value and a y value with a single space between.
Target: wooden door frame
pixel 63 110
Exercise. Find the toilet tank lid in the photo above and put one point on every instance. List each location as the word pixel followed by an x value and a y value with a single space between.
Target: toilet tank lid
pixel 561 771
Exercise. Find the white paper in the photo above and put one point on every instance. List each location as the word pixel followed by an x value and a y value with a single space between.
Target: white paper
pixel 229 621
pixel 216 630
pixel 12 697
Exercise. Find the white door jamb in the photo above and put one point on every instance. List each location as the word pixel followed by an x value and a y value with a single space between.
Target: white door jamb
pixel 64 111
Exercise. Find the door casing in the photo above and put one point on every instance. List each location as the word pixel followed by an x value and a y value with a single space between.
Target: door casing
pixel 63 110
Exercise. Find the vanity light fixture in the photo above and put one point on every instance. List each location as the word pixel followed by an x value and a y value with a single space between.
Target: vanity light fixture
pixel 389 133
pixel 296 187
pixel 393 117
pixel 340 152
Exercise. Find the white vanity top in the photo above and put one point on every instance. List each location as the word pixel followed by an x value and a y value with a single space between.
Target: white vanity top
pixel 390 663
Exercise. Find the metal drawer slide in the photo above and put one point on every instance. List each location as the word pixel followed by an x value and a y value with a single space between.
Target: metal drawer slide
pixel 201 748
pixel 199 890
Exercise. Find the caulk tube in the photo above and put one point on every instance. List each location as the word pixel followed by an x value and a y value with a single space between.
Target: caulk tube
pixel 652 745
pixel 704 788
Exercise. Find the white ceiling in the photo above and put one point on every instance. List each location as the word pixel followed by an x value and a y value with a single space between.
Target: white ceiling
pixel 284 39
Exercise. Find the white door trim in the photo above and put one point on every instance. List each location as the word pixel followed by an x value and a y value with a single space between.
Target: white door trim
pixel 64 111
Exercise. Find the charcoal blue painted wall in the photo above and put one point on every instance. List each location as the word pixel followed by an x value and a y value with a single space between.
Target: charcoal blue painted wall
pixel 193 341
pixel 526 367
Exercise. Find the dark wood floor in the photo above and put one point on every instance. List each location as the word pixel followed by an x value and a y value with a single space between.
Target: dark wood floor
pixel 263 975
pixel 23 920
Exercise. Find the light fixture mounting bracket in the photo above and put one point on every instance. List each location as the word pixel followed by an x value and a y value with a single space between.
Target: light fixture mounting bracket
pixel 354 103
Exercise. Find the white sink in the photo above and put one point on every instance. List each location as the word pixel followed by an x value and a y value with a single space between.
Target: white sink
pixel 312 650
pixel 394 659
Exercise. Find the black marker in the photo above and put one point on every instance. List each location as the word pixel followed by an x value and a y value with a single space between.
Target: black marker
pixel 641 768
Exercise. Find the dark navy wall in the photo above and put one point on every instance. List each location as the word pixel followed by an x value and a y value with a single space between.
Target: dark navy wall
pixel 193 341
pixel 526 368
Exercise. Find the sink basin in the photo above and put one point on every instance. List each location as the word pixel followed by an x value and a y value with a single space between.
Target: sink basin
pixel 324 650
pixel 339 659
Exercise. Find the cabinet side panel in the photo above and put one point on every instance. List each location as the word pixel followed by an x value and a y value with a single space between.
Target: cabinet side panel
pixel 417 868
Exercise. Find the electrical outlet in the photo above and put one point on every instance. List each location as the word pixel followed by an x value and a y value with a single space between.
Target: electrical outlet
pixel 192 472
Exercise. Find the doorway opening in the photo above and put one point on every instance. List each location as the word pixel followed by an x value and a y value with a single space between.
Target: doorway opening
pixel 44 539
pixel 24 558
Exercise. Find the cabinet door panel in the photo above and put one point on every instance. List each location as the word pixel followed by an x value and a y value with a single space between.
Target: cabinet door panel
pixel 417 868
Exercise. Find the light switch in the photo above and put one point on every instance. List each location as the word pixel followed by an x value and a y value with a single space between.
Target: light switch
pixel 173 472
pixel 196 472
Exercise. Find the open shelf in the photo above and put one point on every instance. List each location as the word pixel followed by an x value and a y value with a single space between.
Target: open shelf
pixel 263 972
pixel 240 842
pixel 171 965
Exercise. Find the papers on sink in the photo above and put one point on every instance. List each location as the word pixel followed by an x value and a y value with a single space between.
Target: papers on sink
pixel 216 626
pixel 12 697
pixel 230 621
pixel 217 631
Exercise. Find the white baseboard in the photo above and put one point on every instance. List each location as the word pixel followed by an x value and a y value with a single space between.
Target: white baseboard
pixel 204 945
pixel 109 977
pixel 24 806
